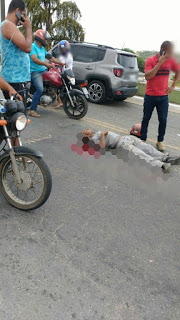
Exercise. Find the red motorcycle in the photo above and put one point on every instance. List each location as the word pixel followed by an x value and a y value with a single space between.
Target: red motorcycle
pixel 73 92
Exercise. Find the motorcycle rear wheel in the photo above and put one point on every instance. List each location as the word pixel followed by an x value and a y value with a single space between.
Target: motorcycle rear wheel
pixel 29 168
pixel 81 106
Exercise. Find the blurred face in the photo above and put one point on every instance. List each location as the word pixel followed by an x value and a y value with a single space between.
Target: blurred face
pixel 170 51
pixel 63 50
pixel 88 133
pixel 24 12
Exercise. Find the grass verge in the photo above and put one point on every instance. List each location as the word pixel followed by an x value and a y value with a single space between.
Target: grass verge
pixel 174 97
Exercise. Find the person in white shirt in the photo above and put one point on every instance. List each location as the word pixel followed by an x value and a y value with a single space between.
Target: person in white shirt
pixel 65 60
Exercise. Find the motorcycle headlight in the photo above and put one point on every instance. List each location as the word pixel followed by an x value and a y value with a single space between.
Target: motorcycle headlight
pixel 72 80
pixel 19 121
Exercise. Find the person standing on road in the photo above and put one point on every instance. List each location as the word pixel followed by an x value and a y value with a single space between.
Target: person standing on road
pixel 15 48
pixel 38 65
pixel 157 70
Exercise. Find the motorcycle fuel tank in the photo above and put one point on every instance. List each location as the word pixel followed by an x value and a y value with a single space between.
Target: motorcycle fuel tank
pixel 53 76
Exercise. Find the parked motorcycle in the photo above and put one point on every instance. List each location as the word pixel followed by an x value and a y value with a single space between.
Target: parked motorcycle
pixel 25 180
pixel 72 92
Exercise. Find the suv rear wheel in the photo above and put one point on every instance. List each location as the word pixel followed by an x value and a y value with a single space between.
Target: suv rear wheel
pixel 97 91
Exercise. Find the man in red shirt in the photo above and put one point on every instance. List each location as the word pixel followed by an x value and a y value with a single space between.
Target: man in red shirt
pixel 157 70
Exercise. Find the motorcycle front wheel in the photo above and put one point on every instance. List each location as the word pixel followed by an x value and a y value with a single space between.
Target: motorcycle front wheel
pixel 80 106
pixel 35 186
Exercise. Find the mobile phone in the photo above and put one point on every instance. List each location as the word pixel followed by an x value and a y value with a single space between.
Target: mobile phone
pixel 19 16
pixel 162 52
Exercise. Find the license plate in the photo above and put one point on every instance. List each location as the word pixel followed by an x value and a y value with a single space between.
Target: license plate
pixel 133 77
pixel 86 93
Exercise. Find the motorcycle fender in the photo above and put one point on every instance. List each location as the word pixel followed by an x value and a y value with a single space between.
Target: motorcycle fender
pixel 73 91
pixel 22 151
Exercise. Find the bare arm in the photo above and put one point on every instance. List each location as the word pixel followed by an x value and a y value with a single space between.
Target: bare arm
pixel 176 79
pixel 6 86
pixel 10 31
pixel 39 62
pixel 57 61
pixel 151 73
pixel 102 142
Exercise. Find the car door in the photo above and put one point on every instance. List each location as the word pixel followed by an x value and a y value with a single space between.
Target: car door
pixel 84 61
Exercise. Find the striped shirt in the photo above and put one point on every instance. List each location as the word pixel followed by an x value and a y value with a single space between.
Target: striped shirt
pixel 157 86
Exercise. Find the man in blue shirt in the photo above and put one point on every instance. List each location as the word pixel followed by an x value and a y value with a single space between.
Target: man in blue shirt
pixel 37 66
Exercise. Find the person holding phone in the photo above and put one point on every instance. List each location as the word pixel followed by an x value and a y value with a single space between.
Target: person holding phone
pixel 157 70
pixel 15 48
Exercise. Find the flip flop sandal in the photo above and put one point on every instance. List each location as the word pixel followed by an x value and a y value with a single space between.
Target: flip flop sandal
pixel 34 114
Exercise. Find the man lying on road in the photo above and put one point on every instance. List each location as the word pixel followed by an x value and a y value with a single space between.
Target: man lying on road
pixel 108 139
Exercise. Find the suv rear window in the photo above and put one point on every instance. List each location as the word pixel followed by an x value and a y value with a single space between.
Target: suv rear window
pixel 127 61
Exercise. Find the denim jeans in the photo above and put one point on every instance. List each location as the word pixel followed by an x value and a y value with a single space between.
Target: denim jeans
pixel 161 103
pixel 37 80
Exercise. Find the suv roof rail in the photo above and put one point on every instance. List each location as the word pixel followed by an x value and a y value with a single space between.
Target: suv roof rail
pixel 95 44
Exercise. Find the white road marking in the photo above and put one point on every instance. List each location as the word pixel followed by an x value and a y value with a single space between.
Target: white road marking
pixel 171 104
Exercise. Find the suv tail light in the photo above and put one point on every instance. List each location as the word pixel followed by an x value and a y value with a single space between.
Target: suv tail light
pixel 117 72
pixel 82 85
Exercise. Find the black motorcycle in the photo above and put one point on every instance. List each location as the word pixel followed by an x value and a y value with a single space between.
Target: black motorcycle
pixel 73 92
pixel 25 180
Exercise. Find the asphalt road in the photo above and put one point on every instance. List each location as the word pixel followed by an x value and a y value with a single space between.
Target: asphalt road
pixel 106 244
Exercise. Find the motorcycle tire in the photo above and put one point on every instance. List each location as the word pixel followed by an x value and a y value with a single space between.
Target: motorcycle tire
pixel 71 112
pixel 12 198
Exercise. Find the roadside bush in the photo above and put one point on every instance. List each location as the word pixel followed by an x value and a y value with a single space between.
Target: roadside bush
pixel 141 64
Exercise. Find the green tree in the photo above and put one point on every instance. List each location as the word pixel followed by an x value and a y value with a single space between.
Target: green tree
pixel 141 64
pixel 128 50
pixel 60 19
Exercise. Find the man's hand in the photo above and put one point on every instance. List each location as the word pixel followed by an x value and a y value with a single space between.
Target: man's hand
pixel 169 90
pixel 26 23
pixel 13 92
pixel 50 66
pixel 163 58
pixel 104 133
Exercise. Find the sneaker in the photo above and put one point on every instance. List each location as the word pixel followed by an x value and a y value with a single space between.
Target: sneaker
pixel 166 167
pixel 173 160
pixel 160 146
